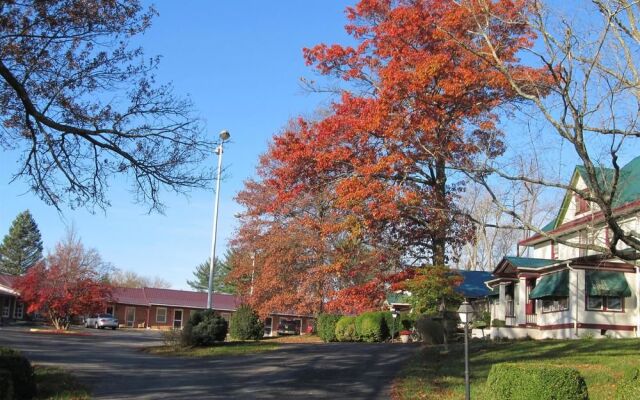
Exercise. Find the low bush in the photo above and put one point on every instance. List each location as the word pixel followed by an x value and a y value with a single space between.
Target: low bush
pixel 404 321
pixel 430 329
pixel 326 326
pixel 629 388
pixel 535 382
pixel 22 377
pixel 372 327
pixel 245 324
pixel 346 329
pixel 6 385
pixel 204 328
pixel 498 323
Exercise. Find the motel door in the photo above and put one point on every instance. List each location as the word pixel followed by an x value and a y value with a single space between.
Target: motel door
pixel 130 316
pixel 177 319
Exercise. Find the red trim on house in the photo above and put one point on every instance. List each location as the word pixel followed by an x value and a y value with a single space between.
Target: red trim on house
pixel 607 327
pixel 556 326
pixel 594 217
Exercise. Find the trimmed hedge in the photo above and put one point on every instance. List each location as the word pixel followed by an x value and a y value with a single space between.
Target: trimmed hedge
pixel 629 389
pixel 6 385
pixel 22 377
pixel 346 329
pixel 372 327
pixel 535 382
pixel 204 328
pixel 326 326
pixel 245 324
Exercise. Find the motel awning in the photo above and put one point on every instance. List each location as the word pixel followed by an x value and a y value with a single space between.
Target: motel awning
pixel 607 283
pixel 552 285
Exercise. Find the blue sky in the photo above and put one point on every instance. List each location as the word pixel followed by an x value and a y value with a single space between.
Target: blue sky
pixel 240 62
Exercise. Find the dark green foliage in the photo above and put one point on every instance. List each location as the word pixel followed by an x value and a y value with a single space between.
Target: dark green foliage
pixel 346 329
pixel 22 246
pixel 430 329
pixel 372 327
pixel 629 388
pixel 204 328
pixel 404 321
pixel 535 382
pixel 245 324
pixel 326 326
pixel 483 322
pixel 200 280
pixel 24 384
pixel 6 385
pixel 498 323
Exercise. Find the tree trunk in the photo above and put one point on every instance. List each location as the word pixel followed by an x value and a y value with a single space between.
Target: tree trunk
pixel 438 241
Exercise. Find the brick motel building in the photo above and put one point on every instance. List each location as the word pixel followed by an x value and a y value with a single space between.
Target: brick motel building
pixel 168 308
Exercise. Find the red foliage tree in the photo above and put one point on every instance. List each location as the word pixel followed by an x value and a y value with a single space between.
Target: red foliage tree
pixel 67 284
pixel 344 200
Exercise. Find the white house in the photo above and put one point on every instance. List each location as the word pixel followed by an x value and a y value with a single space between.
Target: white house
pixel 567 292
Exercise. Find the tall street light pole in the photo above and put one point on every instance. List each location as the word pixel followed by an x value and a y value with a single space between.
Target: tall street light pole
pixel 466 314
pixel 224 136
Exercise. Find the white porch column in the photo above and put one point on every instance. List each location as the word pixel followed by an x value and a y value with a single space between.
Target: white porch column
pixel 637 301
pixel 502 308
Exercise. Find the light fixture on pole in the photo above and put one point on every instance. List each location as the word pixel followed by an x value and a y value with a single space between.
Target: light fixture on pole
pixel 466 315
pixel 224 136
pixel 394 314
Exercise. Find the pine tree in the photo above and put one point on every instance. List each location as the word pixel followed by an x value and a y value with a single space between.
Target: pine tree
pixel 22 246
pixel 201 276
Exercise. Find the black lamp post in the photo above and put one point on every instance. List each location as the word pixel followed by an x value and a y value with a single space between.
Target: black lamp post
pixel 394 314
pixel 466 315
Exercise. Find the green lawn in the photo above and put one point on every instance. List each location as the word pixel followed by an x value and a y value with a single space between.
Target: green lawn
pixel 219 350
pixel 432 375
pixel 57 384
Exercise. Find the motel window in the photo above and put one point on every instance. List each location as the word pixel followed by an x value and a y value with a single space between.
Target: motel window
pixel 555 304
pixel 6 307
pixel 604 303
pixel 19 311
pixel 161 315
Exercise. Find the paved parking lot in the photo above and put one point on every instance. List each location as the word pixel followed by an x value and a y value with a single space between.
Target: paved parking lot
pixel 112 365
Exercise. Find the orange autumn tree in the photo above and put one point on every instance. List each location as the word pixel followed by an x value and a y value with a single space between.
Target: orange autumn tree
pixel 376 170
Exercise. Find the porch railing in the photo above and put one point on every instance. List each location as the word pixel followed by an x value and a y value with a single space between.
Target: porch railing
pixel 531 319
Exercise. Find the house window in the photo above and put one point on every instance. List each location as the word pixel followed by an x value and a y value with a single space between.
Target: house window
pixel 604 303
pixel 161 315
pixel 556 304
pixel 6 307
pixel 583 239
pixel 581 205
pixel 19 311
pixel 109 310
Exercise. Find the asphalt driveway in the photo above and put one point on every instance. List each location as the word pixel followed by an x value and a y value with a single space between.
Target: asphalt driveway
pixel 111 364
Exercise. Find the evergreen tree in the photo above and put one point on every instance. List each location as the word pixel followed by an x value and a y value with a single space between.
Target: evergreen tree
pixel 22 246
pixel 201 276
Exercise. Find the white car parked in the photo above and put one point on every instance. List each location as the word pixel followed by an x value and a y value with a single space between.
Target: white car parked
pixel 101 321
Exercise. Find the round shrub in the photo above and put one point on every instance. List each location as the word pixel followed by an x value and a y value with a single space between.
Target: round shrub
pixel 245 324
pixel 535 382
pixel 629 389
pixel 22 377
pixel 346 329
pixel 204 328
pixel 6 385
pixel 372 327
pixel 326 326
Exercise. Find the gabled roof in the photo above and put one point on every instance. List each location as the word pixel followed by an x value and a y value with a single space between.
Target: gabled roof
pixel 473 284
pixel 530 263
pixel 175 298
pixel 628 190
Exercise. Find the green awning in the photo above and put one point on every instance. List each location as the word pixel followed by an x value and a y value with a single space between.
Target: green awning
pixel 552 285
pixel 607 283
